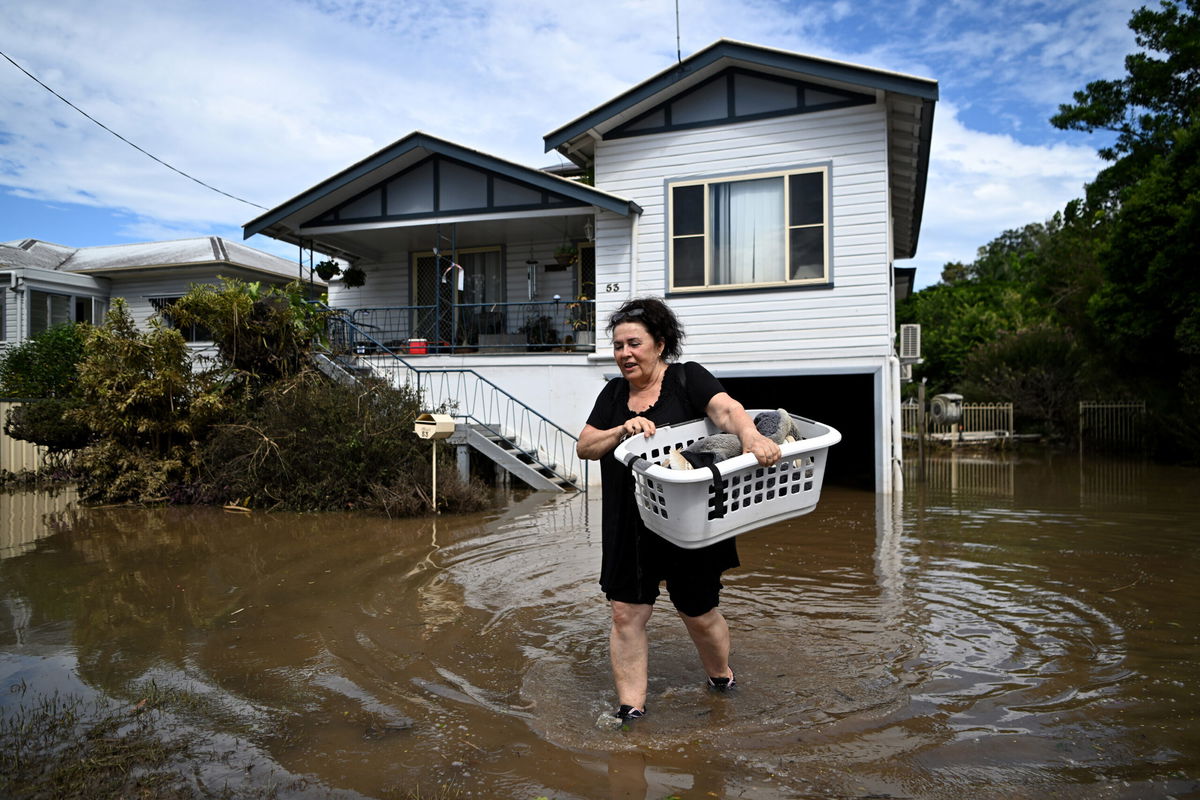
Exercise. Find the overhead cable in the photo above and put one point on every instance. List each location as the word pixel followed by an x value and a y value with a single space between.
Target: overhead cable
pixel 123 139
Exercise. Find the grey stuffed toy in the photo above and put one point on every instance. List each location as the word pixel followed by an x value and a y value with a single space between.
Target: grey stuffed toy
pixel 775 425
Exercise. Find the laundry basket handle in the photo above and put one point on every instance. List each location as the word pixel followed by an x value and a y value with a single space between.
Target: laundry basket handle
pixel 719 507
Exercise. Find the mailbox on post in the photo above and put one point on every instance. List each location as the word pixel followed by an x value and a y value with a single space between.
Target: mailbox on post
pixel 434 426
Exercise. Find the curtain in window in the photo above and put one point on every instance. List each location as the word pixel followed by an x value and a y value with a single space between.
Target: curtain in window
pixel 747 231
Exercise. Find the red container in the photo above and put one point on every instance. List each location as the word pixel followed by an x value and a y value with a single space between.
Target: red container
pixel 418 347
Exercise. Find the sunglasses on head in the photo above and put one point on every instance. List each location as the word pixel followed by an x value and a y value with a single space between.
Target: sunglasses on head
pixel 623 316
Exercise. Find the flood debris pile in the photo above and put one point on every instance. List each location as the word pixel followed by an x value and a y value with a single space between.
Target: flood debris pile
pixel 257 425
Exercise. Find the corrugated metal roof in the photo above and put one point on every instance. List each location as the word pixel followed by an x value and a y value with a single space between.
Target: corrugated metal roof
pixel 33 253
pixel 141 256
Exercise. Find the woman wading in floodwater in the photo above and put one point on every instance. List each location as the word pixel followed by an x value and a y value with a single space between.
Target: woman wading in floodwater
pixel 654 391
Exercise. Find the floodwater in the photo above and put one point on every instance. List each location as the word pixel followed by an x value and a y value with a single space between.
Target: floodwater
pixel 1015 627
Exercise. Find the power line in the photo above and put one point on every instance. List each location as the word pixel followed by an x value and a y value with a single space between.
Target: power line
pixel 126 141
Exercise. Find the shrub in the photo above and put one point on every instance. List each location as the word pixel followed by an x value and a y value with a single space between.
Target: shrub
pixel 311 444
pixel 44 365
pixel 145 406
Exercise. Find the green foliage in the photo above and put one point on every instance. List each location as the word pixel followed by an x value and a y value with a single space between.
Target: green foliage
pixel 263 429
pixel 1157 98
pixel 957 318
pixel 1149 305
pixel 311 444
pixel 50 423
pixel 45 369
pixel 1103 300
pixel 44 365
pixel 145 406
pixel 261 334
pixel 1038 370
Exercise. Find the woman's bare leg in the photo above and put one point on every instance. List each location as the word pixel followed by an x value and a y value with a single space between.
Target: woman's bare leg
pixel 629 650
pixel 710 633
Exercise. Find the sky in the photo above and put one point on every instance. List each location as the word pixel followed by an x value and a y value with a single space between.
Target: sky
pixel 262 99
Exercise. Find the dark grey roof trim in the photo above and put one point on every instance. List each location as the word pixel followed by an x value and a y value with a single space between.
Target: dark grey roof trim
pixel 922 175
pixel 752 54
pixel 419 140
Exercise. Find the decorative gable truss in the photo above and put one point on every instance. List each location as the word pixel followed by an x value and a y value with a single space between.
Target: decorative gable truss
pixel 738 95
pixel 437 186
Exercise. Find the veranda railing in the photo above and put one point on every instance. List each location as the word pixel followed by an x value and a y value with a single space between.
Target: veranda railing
pixel 544 325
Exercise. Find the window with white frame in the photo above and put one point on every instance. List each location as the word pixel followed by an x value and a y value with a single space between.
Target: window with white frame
pixel 765 229
pixel 47 309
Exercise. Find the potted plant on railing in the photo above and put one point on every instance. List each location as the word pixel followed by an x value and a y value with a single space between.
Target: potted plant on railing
pixel 540 333
pixel 581 316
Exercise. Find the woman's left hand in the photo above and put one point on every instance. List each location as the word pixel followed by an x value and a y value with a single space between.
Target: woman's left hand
pixel 765 450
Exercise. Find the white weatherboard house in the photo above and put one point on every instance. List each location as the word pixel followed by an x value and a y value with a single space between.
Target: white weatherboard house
pixel 46 284
pixel 766 194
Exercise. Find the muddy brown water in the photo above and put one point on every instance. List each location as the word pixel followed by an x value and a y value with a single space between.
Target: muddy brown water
pixel 1012 628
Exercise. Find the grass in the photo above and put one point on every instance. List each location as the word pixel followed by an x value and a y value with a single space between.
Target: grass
pixel 55 746
pixel 64 747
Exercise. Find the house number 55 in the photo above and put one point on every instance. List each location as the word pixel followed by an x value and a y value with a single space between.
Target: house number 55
pixel 612 287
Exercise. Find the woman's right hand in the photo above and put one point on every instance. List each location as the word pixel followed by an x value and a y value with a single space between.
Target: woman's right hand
pixel 633 427
pixel 594 443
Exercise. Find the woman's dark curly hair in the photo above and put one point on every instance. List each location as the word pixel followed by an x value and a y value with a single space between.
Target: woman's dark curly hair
pixel 659 320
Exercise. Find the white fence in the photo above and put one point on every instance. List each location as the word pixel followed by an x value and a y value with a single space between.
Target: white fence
pixel 994 418
pixel 16 455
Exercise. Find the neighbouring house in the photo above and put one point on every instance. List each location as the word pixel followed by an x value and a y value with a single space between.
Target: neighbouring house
pixel 766 194
pixel 46 284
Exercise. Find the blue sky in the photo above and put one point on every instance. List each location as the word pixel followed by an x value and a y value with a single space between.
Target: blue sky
pixel 265 98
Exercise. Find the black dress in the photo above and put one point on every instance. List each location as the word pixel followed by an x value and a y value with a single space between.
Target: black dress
pixel 631 550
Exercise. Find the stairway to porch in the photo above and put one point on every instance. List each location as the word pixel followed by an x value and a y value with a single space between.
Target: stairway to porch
pixel 489 420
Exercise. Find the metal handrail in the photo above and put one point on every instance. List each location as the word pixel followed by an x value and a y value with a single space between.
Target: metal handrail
pixel 474 398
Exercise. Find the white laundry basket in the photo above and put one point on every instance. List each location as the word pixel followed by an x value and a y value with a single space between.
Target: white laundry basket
pixel 695 508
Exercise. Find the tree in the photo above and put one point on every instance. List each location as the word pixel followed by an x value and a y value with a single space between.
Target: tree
pixel 1157 98
pixel 957 318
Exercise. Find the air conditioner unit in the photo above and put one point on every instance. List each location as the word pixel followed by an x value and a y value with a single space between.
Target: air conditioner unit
pixel 910 342
pixel 946 409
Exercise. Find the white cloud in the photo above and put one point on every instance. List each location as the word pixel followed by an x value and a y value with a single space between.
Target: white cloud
pixel 265 99
pixel 981 184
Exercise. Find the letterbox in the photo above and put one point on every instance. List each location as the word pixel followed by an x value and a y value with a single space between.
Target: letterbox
pixel 434 426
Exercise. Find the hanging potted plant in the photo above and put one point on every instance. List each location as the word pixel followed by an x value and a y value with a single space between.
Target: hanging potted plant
pixel 353 277
pixel 566 254
pixel 327 269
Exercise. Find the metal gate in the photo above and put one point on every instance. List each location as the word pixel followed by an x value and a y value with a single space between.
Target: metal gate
pixel 1112 425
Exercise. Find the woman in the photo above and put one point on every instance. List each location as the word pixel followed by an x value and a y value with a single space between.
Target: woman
pixel 654 391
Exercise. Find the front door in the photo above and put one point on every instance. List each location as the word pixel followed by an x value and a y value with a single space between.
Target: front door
pixel 447 315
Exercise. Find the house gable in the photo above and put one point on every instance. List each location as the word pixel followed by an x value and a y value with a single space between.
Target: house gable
pixel 694 86
pixel 738 95
pixel 414 180
pixel 438 185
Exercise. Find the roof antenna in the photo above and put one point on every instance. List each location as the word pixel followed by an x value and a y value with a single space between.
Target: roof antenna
pixel 678 51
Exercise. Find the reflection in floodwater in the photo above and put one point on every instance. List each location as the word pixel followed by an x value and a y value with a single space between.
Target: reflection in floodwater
pixel 1030 634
